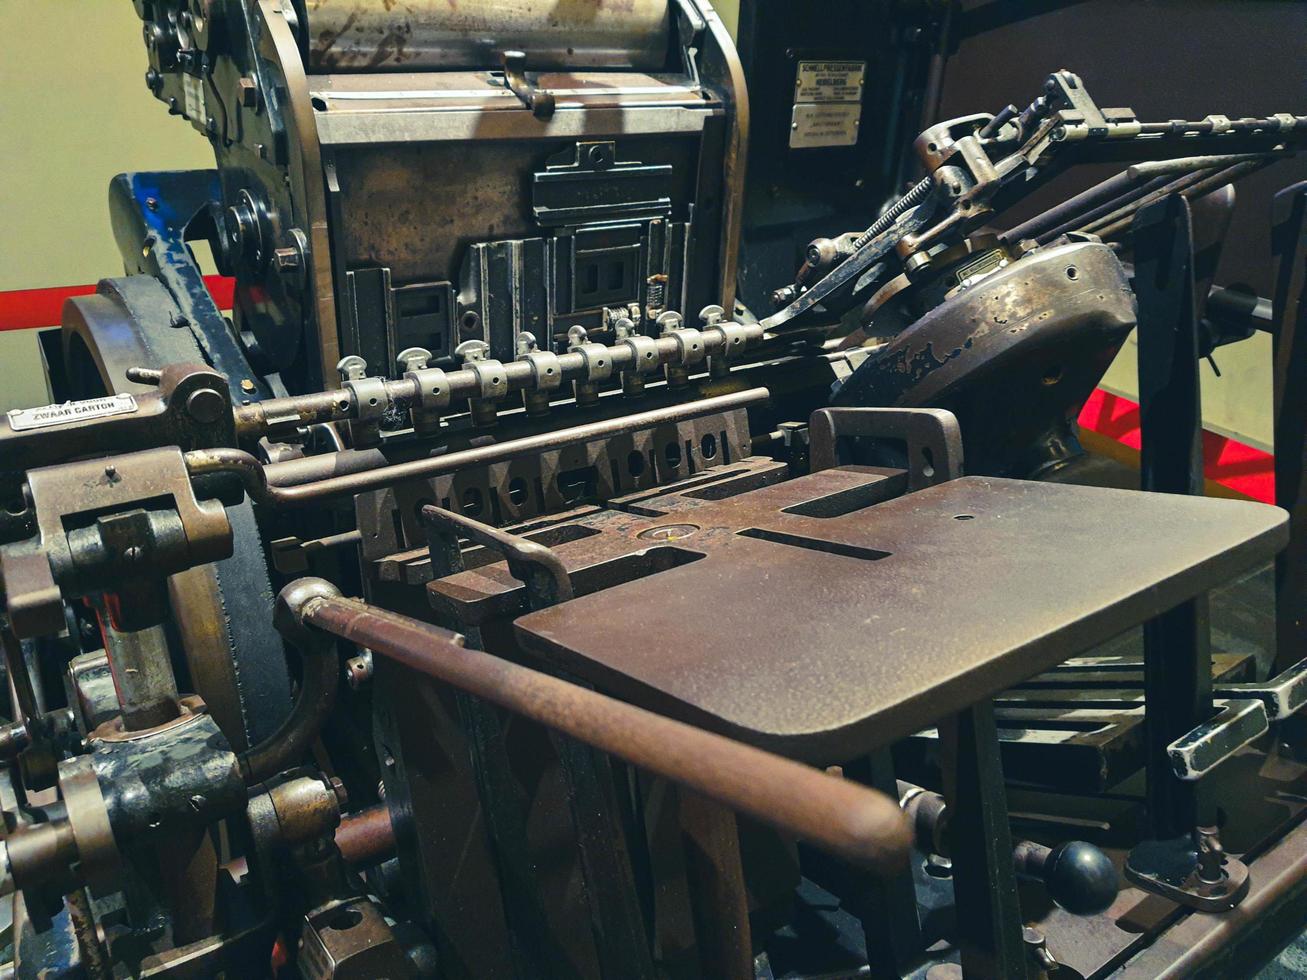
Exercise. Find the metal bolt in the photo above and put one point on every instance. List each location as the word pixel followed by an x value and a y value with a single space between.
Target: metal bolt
pixel 668 321
pixel 286 259
pixel 247 384
pixel 111 472
pixel 526 343
pixel 338 787
pixel 358 670
pixel 783 296
pixel 249 92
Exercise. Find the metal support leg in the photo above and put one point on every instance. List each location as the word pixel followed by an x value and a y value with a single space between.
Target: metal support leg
pixel 1177 655
pixel 886 908
pixel 1176 861
pixel 984 879
pixel 1177 698
pixel 1289 308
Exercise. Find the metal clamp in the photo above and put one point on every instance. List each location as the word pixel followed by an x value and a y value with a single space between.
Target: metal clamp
pixel 491 381
pixel 598 361
pixel 432 387
pixel 547 372
pixel 644 354
pixel 371 399
pixel 689 346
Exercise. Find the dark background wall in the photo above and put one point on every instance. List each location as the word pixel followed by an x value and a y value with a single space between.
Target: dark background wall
pixel 1166 59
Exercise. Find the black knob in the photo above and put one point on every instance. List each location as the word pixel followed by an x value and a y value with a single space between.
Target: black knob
pixel 1079 877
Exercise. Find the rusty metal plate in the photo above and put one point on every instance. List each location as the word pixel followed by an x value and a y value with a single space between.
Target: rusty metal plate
pixel 824 636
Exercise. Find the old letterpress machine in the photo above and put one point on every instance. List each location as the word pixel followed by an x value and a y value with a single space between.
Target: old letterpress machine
pixel 495 593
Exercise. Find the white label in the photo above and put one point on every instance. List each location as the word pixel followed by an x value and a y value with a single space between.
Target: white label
pixel 92 408
pixel 194 90
pixel 829 81
pixel 825 124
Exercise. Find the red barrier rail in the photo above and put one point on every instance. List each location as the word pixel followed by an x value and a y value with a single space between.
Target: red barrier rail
pixel 28 309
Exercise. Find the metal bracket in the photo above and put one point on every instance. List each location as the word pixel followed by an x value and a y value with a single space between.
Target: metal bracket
pixel 1192 871
pixel 932 435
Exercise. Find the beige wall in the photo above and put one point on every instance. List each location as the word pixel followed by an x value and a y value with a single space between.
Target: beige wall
pixel 77 113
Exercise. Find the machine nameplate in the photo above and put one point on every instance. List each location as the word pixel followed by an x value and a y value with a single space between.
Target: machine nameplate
pixel 825 124
pixel 21 419
pixel 829 81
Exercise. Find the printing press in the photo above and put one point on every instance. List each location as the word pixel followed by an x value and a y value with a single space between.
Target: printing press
pixel 597 545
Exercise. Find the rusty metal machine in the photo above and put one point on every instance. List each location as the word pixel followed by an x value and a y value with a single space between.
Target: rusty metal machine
pixel 495 593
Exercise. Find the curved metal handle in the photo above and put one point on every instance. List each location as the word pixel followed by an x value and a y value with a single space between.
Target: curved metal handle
pixel 540 102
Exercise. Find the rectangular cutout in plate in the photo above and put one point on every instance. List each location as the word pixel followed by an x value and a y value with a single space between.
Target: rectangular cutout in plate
pixel 850 499
pixel 814 544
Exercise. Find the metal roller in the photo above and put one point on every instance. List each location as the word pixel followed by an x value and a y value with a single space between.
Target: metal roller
pixel 372 35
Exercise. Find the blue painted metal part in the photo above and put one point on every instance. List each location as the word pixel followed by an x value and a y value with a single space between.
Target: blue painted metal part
pixel 48 950
pixel 150 213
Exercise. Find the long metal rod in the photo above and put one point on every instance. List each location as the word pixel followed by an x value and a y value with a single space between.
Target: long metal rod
pixel 253 476
pixel 1191 187
pixel 844 817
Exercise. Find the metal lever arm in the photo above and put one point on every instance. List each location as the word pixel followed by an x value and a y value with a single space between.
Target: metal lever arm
pixel 1283 695
pixel 544 573
pixel 1246 715
pixel 850 820
pixel 540 102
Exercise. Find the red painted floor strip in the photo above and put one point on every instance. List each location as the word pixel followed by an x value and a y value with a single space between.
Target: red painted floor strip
pixel 1234 465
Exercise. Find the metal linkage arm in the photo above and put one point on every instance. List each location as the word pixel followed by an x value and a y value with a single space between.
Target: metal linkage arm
pixel 846 818
pixel 980 165
pixel 254 476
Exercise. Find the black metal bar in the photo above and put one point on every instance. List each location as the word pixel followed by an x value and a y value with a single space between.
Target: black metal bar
pixel 1289 313
pixel 616 915
pixel 1177 655
pixel 988 931
pixel 534 949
